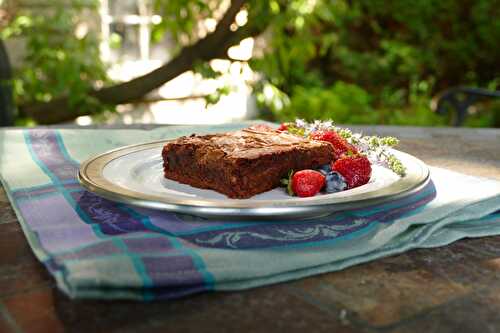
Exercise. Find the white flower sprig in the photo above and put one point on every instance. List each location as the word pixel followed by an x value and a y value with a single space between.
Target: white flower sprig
pixel 377 149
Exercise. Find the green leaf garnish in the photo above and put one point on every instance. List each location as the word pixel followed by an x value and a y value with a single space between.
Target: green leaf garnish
pixel 289 185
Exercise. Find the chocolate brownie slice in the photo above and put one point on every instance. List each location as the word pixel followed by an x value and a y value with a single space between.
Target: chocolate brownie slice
pixel 243 163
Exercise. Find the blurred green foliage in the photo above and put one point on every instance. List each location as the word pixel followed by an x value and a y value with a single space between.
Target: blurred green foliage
pixel 180 18
pixel 354 61
pixel 61 55
pixel 374 61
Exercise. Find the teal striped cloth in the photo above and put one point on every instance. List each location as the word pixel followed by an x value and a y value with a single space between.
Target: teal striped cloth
pixel 96 248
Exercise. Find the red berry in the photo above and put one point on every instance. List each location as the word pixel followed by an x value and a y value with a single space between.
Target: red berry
pixel 306 183
pixel 340 145
pixel 283 127
pixel 356 169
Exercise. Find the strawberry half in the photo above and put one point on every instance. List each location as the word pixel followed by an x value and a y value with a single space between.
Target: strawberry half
pixel 356 169
pixel 340 146
pixel 306 183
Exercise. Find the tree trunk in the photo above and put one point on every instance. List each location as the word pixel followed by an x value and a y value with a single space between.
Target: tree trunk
pixel 212 46
pixel 6 103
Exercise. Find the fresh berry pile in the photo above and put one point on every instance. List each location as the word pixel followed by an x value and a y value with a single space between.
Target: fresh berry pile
pixel 351 167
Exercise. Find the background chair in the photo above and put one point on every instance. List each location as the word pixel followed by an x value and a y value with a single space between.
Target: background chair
pixel 459 99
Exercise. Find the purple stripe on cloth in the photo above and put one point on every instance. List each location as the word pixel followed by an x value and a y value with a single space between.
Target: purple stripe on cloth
pixel 56 223
pixel 111 219
pixel 148 245
pixel 173 223
pixel 103 248
pixel 64 239
pixel 276 234
pixel 44 144
pixel 49 211
pixel 396 213
pixel 172 271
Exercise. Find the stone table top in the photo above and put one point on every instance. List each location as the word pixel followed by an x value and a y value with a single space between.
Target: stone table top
pixel 455 288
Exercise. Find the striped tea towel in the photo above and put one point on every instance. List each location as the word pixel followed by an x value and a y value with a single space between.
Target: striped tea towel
pixel 96 248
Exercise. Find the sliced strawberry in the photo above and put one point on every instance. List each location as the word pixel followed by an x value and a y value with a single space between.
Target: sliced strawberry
pixel 356 169
pixel 306 183
pixel 340 146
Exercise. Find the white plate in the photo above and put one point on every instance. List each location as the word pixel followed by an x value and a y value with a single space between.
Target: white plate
pixel 134 175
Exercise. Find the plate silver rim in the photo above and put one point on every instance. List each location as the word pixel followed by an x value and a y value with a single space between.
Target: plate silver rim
pixel 91 177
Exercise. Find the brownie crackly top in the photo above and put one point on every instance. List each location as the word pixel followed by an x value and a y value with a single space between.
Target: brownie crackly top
pixel 242 163
pixel 250 144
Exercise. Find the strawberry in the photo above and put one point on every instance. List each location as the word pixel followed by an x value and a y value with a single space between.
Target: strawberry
pixel 340 146
pixel 283 127
pixel 306 183
pixel 355 169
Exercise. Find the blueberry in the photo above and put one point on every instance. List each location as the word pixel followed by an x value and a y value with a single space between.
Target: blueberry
pixel 335 182
pixel 325 169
